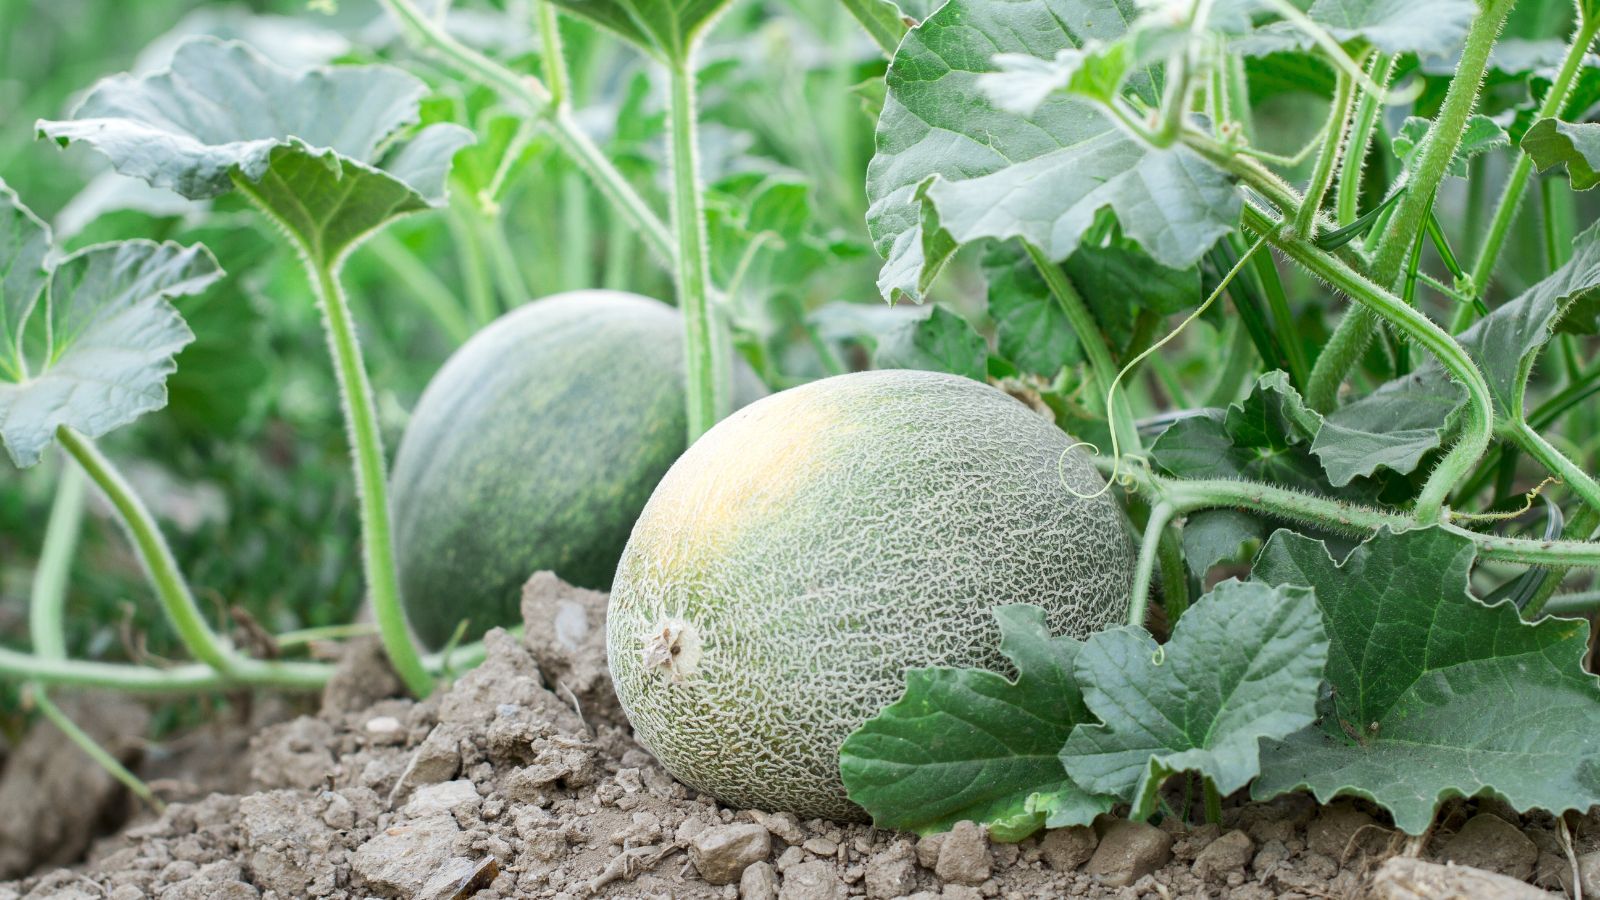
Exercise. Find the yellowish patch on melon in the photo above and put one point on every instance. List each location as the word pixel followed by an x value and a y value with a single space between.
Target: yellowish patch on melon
pixel 765 455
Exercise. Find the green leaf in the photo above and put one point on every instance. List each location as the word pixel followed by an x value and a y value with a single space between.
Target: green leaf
pixel 927 337
pixel 111 335
pixel 24 242
pixel 1031 328
pixel 309 145
pixel 1434 695
pixel 1213 536
pixel 971 744
pixel 1265 437
pixel 1393 428
pixel 952 168
pixel 1244 663
pixel 1118 280
pixel 1424 27
pixel 666 29
pixel 1482 135
pixel 1552 142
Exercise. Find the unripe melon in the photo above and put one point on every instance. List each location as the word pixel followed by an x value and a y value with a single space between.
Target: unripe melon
pixel 808 549
pixel 535 447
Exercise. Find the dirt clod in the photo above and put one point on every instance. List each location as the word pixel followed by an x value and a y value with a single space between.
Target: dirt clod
pixel 1065 849
pixel 1336 831
pixel 892 872
pixel 403 859
pixel 1224 856
pixel 1490 842
pixel 815 880
pixel 964 855
pixel 1403 878
pixel 722 853
pixel 1129 851
pixel 759 882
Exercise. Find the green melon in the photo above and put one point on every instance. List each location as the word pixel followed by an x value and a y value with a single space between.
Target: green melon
pixel 535 447
pixel 806 551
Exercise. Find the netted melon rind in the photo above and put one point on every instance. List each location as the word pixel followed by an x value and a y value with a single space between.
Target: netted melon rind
pixel 821 541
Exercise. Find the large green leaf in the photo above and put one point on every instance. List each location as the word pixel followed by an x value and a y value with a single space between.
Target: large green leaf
pixel 930 337
pixel 1392 428
pixel 1424 27
pixel 24 242
pixel 666 29
pixel 1434 695
pixel 1031 328
pixel 312 146
pixel 971 744
pixel 100 356
pixel 1265 437
pixel 1552 142
pixel 952 167
pixel 1243 664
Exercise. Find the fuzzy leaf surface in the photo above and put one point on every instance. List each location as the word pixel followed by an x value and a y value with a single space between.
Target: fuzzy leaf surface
pixel 1434 695
pixel 108 346
pixel 666 29
pixel 310 145
pixel 1552 142
pixel 24 243
pixel 1244 663
pixel 930 337
pixel 952 167
pixel 1425 27
pixel 973 744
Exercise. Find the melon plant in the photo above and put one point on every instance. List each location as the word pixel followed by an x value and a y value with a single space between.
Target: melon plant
pixel 535 447
pixel 810 548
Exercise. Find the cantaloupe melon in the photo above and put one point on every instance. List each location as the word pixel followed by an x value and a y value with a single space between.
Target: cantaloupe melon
pixel 535 447
pixel 808 549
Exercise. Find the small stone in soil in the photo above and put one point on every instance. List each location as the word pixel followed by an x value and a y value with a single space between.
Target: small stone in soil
pixel 1129 851
pixel 1490 842
pixel 928 851
pixel 1227 854
pixel 1403 878
pixel 1588 873
pixel 964 855
pixel 815 880
pixel 402 859
pixel 892 872
pixel 1065 849
pixel 759 882
pixel 722 853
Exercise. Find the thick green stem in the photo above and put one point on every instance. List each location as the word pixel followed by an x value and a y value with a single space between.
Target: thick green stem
pixel 1101 366
pixel 1160 517
pixel 1355 332
pixel 535 100
pixel 1582 525
pixel 706 355
pixel 1347 201
pixel 1511 195
pixel 1477 426
pixel 1189 495
pixel 1534 444
pixel 1174 575
pixel 1305 219
pixel 162 569
pixel 47 600
pixel 555 59
pixel 474 265
pixel 1213 802
pixel 366 448
pixel 189 678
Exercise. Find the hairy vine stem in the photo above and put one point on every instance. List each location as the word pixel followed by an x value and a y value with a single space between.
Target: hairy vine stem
pixel 1305 218
pixel 154 554
pixel 1511 195
pixel 1477 427
pixel 1354 332
pixel 535 100
pixel 1185 496
pixel 1347 200
pixel 708 368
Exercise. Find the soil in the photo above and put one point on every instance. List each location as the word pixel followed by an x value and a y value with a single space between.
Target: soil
pixel 521 779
